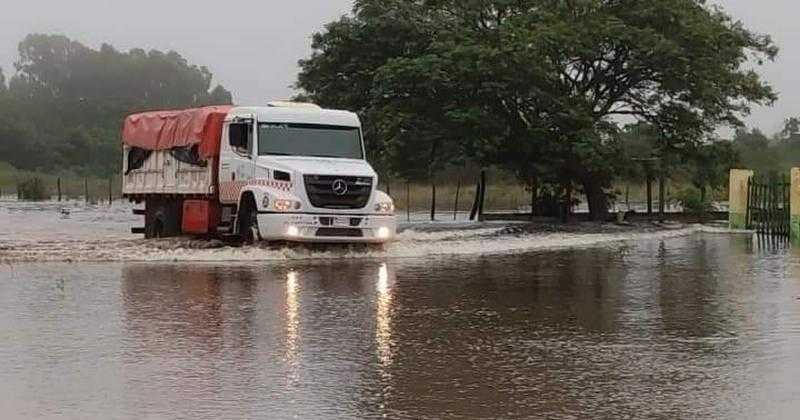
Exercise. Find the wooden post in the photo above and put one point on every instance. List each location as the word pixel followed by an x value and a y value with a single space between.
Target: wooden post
pixel 58 186
pixel 661 196
pixel 408 200
pixel 482 195
pixel 794 205
pixel 86 189
pixel 110 191
pixel 455 205
pixel 534 197
pixel 433 199
pixel 649 193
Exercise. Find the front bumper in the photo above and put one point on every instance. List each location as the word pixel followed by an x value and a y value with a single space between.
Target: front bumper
pixel 327 228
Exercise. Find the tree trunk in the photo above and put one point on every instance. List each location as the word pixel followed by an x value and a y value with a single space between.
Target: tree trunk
pixel 567 203
pixel 482 196
pixel 473 214
pixel 455 205
pixel 597 199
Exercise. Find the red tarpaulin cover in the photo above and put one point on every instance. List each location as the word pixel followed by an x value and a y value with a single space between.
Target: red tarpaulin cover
pixel 163 130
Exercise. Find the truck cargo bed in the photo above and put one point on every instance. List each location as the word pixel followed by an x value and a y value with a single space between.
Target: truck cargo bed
pixel 163 174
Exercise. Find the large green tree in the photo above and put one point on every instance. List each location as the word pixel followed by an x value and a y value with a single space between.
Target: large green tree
pixel 66 102
pixel 543 83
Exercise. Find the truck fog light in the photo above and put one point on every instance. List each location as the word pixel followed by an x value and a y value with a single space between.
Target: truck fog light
pixel 386 207
pixel 384 233
pixel 286 205
pixel 293 231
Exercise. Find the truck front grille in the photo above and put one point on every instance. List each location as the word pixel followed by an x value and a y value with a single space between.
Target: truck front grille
pixel 338 192
pixel 340 232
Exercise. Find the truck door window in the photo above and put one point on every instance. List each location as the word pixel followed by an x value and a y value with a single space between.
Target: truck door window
pixel 240 137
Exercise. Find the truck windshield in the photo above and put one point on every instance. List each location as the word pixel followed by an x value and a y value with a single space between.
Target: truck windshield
pixel 309 140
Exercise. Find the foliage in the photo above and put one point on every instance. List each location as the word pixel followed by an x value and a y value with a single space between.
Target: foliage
pixel 765 155
pixel 710 165
pixel 32 189
pixel 537 86
pixel 64 106
pixel 692 201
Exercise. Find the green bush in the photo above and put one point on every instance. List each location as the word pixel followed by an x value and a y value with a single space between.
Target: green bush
pixel 689 198
pixel 32 189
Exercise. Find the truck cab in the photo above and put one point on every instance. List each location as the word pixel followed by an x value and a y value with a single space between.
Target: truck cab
pixel 297 172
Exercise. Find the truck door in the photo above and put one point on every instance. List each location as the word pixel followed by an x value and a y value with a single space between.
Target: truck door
pixel 237 163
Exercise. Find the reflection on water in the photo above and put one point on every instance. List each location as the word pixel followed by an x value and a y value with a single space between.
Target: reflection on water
pixel 383 320
pixel 696 327
pixel 292 321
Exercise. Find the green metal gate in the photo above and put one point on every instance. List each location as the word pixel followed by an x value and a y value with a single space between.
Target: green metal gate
pixel 768 201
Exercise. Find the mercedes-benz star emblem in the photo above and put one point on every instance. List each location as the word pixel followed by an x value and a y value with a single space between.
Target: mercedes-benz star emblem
pixel 339 187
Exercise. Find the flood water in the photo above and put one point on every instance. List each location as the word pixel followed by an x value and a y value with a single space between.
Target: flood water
pixel 696 326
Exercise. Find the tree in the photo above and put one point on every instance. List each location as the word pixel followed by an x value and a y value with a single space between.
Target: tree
pixel 64 106
pixel 710 164
pixel 791 130
pixel 546 81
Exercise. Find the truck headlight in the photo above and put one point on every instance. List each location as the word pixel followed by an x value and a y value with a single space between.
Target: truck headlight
pixel 385 207
pixel 286 205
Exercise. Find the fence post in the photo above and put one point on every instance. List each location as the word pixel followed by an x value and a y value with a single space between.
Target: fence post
pixel 110 191
pixel 649 193
pixel 433 199
pixel 794 206
pixel 408 200
pixel 748 215
pixel 482 195
pixel 58 186
pixel 86 189
pixel 738 193
pixel 455 206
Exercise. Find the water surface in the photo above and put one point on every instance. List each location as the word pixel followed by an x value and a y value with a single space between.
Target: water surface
pixel 701 326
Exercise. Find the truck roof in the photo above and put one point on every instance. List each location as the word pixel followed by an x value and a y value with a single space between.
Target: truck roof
pixel 297 114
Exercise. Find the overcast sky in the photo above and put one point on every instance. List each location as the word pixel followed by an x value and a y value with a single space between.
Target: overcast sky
pixel 252 46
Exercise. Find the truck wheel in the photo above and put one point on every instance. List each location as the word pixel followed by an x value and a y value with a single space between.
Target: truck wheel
pixel 248 222
pixel 162 218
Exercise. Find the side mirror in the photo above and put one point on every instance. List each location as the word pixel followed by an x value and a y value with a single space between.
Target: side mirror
pixel 237 135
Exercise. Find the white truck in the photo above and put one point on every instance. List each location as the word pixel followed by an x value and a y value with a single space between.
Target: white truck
pixel 282 172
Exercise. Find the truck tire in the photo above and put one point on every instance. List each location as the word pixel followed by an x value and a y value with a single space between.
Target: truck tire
pixel 248 221
pixel 162 218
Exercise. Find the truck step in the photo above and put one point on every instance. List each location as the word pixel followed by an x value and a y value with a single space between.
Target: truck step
pixel 225 229
pixel 139 212
pixel 137 231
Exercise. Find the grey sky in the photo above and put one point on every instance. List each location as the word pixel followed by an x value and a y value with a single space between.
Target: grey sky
pixel 252 46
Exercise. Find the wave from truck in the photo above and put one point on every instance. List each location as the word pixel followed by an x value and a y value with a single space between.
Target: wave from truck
pixel 282 172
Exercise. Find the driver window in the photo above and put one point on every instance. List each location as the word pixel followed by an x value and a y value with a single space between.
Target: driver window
pixel 241 138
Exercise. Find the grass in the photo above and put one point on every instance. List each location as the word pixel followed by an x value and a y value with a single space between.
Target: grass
pixel 503 194
pixel 72 186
